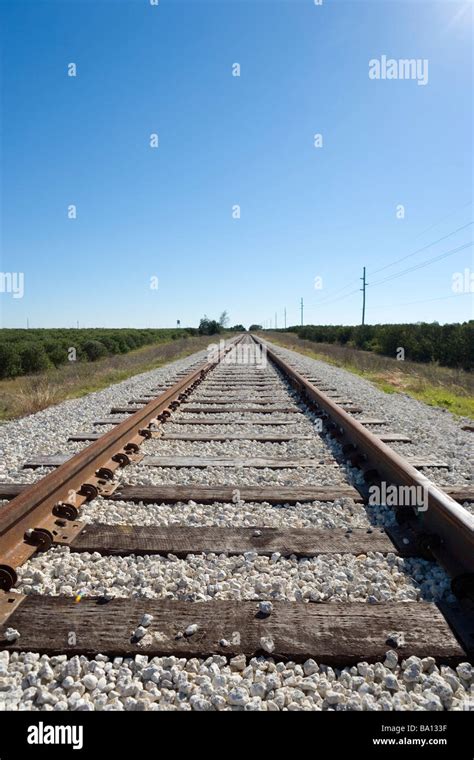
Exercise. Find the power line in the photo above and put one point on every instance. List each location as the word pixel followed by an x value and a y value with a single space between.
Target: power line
pixel 400 274
pixel 419 250
pixel 443 218
pixel 423 264
pixel 425 300
pixel 330 299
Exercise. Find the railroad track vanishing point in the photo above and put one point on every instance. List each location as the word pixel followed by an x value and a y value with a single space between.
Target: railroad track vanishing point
pixel 275 589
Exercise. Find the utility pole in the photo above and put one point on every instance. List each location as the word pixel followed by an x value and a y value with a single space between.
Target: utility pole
pixel 276 321
pixel 302 306
pixel 285 316
pixel 364 284
pixel 27 323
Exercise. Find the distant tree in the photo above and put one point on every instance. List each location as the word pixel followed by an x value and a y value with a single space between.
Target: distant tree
pixel 255 327
pixel 209 326
pixel 224 319
pixel 237 328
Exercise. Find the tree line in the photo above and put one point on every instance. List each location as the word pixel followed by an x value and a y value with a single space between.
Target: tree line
pixel 450 345
pixel 23 352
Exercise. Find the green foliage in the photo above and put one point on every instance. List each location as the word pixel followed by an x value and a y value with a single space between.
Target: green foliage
pixel 209 326
pixel 10 365
pixel 29 351
pixel 259 327
pixel 94 350
pixel 33 358
pixel 448 345
pixel 237 328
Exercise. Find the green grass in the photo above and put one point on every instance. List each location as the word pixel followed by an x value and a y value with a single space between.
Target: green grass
pixel 434 385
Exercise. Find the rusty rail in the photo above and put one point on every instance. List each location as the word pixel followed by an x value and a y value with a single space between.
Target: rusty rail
pixel 448 527
pixel 48 510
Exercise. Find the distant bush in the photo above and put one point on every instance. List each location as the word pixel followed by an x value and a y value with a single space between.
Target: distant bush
pixel 94 350
pixel 255 327
pixel 9 361
pixel 33 358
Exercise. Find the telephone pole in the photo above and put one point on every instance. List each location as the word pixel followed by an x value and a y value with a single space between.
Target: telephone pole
pixel 302 306
pixel 364 285
pixel 284 311
pixel 276 321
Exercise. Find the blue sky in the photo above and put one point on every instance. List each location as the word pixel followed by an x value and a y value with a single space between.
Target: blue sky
pixel 306 212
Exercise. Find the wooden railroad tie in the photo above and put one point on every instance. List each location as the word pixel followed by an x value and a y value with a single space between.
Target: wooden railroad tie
pixel 331 632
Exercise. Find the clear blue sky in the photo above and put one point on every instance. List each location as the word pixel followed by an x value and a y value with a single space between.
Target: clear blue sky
pixel 223 140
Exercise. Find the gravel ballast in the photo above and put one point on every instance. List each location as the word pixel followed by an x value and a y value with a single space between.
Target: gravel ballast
pixel 28 681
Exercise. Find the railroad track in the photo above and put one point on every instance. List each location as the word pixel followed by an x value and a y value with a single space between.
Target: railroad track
pixel 194 444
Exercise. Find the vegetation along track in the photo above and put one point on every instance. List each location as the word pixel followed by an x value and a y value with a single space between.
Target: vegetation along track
pixel 245 455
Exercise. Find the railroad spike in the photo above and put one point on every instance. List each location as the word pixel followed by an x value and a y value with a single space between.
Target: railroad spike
pixel 121 458
pixel 8 577
pixel 89 490
pixel 39 537
pixel 66 511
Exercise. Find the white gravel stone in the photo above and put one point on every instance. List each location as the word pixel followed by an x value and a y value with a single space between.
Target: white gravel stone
pixel 11 634
pixel 267 643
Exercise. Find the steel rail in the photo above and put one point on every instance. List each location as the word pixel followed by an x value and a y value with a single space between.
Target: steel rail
pixel 47 510
pixel 449 528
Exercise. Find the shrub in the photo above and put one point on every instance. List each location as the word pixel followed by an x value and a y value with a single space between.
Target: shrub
pixel 10 364
pixel 94 350
pixel 33 358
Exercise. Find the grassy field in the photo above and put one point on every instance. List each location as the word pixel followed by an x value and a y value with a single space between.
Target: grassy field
pixel 27 394
pixel 451 389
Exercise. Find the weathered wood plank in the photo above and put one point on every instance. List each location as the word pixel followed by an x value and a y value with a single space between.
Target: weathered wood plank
pixel 264 493
pixel 220 421
pixel 222 409
pixel 392 437
pixel 460 493
pixel 85 437
pixel 420 462
pixel 217 461
pixel 125 409
pixel 109 421
pixel 269 437
pixel 235 400
pixel 183 540
pixel 211 494
pixel 10 490
pixel 329 632
pixel 40 460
